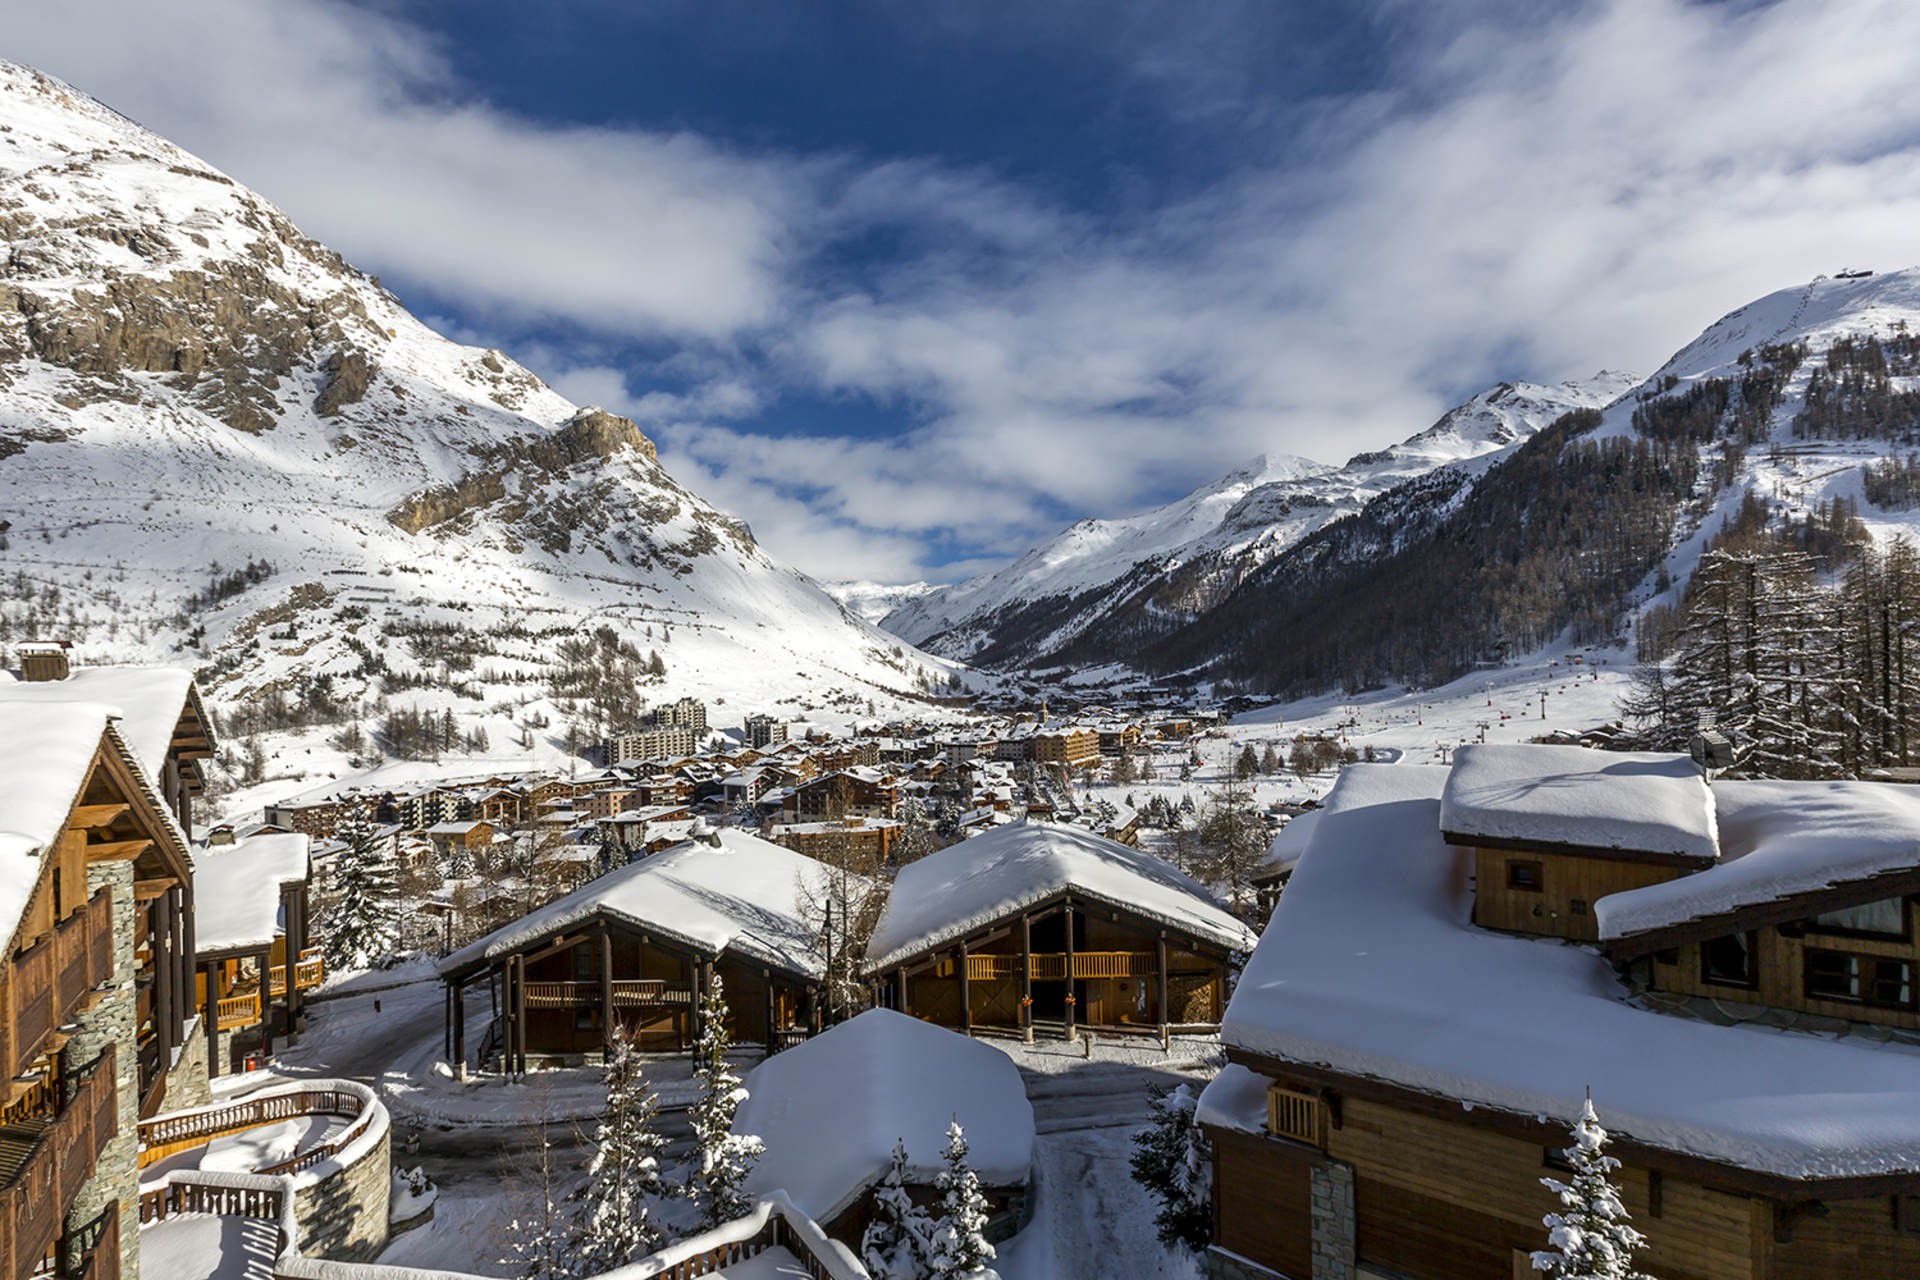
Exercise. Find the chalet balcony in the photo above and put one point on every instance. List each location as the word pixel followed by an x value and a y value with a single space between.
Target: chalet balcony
pixel 1052 966
pixel 309 971
pixel 628 993
pixel 236 1011
pixel 51 981
pixel 44 1161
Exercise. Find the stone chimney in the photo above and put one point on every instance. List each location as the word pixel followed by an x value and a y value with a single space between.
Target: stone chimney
pixel 220 835
pixel 41 661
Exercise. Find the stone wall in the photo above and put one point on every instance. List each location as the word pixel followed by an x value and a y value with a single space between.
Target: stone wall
pixel 111 1021
pixel 1225 1265
pixel 342 1214
pixel 187 1085
pixel 1333 1221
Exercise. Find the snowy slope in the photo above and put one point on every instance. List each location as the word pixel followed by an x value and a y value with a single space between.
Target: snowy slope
pixel 872 601
pixel 1194 550
pixel 189 385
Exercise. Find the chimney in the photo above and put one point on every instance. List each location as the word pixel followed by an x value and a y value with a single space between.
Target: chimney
pixel 42 661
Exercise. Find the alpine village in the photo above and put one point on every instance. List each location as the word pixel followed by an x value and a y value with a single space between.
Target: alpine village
pixel 435 843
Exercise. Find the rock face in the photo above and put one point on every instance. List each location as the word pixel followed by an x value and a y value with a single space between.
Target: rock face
pixel 219 439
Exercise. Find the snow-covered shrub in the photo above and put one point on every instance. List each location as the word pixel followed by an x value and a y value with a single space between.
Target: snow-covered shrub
pixel 721 1158
pixel 899 1240
pixel 960 1245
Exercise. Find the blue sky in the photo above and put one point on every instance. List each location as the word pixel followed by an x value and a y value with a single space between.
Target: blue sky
pixel 910 286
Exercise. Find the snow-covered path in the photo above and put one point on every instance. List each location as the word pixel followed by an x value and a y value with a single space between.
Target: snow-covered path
pixel 203 1246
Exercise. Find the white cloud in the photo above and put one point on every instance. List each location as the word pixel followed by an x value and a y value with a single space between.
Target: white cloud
pixel 1538 193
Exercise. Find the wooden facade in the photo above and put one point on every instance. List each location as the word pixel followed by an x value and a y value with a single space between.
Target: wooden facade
pixel 557 997
pixel 244 994
pixel 1439 1193
pixel 1068 963
pixel 1551 894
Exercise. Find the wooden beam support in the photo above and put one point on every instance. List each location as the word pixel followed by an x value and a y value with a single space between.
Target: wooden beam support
pixel 117 850
pixel 91 816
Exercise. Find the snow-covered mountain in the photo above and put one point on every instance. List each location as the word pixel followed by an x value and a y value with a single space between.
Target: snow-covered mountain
pixel 1190 553
pixel 1795 418
pixel 872 601
pixel 220 443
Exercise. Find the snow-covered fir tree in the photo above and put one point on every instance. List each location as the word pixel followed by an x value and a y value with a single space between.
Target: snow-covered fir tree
pixel 899 1240
pixel 1171 1161
pixel 959 1245
pixel 364 926
pixel 721 1158
pixel 613 1219
pixel 1589 1239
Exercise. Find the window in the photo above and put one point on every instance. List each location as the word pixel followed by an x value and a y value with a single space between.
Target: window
pixel 1906 1214
pixel 1524 876
pixel 1882 982
pixel 1729 961
pixel 1293 1113
pixel 1886 918
pixel 1577 906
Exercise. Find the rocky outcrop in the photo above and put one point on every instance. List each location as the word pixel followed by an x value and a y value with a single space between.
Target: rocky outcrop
pixel 349 374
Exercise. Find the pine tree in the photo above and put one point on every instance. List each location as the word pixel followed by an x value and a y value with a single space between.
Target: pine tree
pixel 960 1245
pixel 1172 1162
pixel 917 837
pixel 899 1239
pixel 613 1222
pixel 1589 1238
pixel 1247 765
pixel 364 927
pixel 721 1158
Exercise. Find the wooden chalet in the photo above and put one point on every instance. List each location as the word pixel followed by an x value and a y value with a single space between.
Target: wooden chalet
pixel 1039 926
pixel 93 1003
pixel 855 792
pixel 1402 1073
pixel 255 959
pixel 635 946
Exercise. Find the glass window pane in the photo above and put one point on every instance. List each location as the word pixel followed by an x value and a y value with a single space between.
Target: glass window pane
pixel 1885 916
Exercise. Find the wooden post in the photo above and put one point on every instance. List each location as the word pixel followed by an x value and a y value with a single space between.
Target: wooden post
pixel 606 988
pixel 289 958
pixel 210 1020
pixel 520 1012
pixel 966 990
pixel 1026 977
pixel 1160 977
pixel 264 967
pixel 187 959
pixel 459 986
pixel 901 983
pixel 767 978
pixel 1068 1004
pixel 159 924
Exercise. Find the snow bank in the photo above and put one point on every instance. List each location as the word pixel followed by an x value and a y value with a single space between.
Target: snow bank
pixel 968 885
pixel 1779 839
pixel 1649 802
pixel 236 889
pixel 838 1263
pixel 1371 966
pixel 831 1109
pixel 746 895
pixel 1291 841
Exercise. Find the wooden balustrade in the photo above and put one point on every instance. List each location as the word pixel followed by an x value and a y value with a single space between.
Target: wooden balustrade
pixel 48 983
pixel 236 1011
pixel 627 993
pixel 181 1194
pixel 164 1135
pixel 31 992
pixel 308 973
pixel 1052 966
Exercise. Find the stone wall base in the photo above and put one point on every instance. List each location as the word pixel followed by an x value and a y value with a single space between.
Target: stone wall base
pixel 1224 1265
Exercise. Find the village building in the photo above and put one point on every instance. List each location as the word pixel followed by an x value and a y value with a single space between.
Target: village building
pixel 254 958
pixel 765 731
pixel 863 837
pixel 1728 970
pixel 97 909
pixel 467 838
pixel 637 944
pixel 854 792
pixel 1033 925
pixel 911 1080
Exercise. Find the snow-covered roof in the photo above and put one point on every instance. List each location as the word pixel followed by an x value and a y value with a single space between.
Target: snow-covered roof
pixel 910 1079
pixel 46 749
pixel 236 889
pixel 743 895
pixel 1642 802
pixel 1291 841
pixel 1372 967
pixel 1778 839
pixel 965 886
pixel 148 702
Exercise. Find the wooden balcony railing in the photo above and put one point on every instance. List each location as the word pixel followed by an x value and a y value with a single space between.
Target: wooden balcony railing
pixel 48 983
pixel 628 993
pixel 1052 966
pixel 162 1136
pixel 309 971
pixel 236 1011
pixel 60 1152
